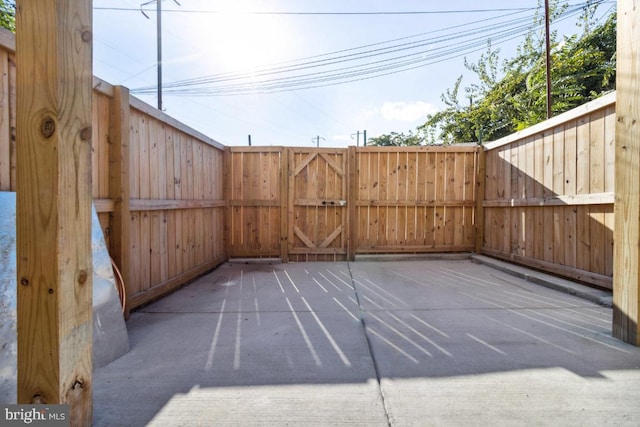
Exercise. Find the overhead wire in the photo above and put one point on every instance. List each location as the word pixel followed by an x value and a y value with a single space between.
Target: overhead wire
pixel 281 65
pixel 352 71
pixel 370 13
pixel 259 72
pixel 511 29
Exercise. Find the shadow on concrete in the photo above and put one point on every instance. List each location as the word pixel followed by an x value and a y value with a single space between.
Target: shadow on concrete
pixel 288 341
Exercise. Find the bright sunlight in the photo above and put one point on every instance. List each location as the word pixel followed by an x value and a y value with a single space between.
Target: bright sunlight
pixel 234 41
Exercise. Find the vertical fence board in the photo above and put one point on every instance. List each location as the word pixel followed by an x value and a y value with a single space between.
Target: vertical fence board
pixel 5 134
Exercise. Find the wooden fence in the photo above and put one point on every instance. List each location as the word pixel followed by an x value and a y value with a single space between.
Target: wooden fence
pixel 173 203
pixel 157 186
pixel 549 194
pixel 330 204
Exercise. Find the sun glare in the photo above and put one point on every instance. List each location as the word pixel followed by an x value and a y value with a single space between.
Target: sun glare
pixel 237 41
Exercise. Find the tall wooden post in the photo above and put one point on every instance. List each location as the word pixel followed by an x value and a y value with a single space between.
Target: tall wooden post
pixel 284 205
pixel 119 183
pixel 626 273
pixel 480 185
pixel 54 88
pixel 352 199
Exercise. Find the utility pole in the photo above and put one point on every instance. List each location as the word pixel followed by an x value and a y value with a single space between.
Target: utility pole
pixel 357 138
pixel 159 45
pixel 158 42
pixel 548 55
pixel 249 140
pixel 317 140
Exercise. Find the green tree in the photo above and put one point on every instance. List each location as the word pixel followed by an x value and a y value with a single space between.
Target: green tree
pixel 583 68
pixel 8 15
pixel 395 139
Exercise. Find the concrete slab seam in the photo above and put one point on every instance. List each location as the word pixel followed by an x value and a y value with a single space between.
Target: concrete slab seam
pixel 370 347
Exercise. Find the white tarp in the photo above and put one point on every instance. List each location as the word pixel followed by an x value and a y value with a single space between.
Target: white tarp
pixel 110 338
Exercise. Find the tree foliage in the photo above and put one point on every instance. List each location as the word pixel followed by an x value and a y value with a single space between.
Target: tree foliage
pixel 395 139
pixel 8 15
pixel 583 68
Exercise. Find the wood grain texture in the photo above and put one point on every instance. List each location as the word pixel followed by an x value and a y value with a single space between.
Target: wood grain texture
pixel 552 197
pixel 626 286
pixel 54 205
pixel 119 185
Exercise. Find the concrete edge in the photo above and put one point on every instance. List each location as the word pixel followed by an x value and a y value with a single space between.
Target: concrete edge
pixel 267 261
pixel 598 296
pixel 414 257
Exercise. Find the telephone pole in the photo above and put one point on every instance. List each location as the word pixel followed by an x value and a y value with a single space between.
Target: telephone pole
pixel 364 133
pixel 548 57
pixel 158 42
pixel 317 140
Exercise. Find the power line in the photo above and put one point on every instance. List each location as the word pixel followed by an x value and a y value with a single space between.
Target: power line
pixel 269 66
pixel 377 68
pixel 508 30
pixel 402 60
pixel 265 71
pixel 414 12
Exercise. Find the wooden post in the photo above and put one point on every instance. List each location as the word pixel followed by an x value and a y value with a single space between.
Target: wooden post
pixel 480 182
pixel 54 89
pixel 352 209
pixel 226 189
pixel 119 184
pixel 284 210
pixel 626 273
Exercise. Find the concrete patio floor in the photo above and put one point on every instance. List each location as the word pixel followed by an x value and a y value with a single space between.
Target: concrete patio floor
pixel 434 342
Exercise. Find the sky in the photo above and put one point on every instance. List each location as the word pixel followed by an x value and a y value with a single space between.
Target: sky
pixel 305 73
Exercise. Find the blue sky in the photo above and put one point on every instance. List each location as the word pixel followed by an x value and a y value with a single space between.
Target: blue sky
pixel 209 38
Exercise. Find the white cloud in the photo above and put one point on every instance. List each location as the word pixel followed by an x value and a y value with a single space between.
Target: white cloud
pixel 403 111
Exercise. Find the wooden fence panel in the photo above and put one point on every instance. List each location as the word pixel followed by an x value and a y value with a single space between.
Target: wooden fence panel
pixel 177 203
pixel 255 199
pixel 415 199
pixel 551 186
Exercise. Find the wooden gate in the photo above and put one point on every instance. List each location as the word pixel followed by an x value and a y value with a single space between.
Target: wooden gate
pixel 317 208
